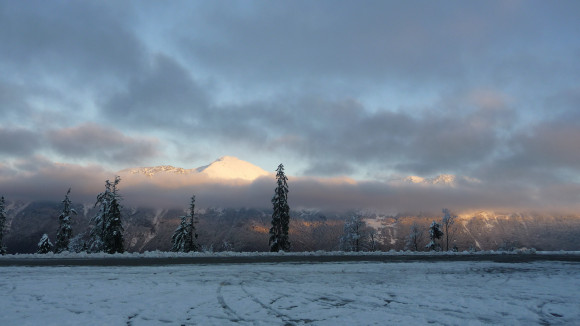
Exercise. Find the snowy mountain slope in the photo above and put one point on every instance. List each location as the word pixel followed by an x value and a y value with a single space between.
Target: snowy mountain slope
pixel 229 167
pixel 224 168
pixel 155 170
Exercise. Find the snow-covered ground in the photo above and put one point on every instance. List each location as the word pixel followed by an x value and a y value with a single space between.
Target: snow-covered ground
pixel 357 293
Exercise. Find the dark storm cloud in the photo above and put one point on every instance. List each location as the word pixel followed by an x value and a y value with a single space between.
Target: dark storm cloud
pixel 99 143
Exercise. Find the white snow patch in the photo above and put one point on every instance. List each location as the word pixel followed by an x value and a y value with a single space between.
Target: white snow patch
pixel 413 293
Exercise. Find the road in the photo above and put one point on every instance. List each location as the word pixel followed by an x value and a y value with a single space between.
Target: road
pixel 287 258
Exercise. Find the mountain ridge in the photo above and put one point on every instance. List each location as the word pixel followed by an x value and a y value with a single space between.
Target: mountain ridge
pixel 224 168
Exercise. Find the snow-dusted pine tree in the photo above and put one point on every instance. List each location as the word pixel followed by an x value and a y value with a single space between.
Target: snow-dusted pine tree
pixel 354 236
pixel 414 238
pixel 435 233
pixel 107 231
pixel 281 215
pixel 64 233
pixel 447 223
pixel 44 245
pixel 184 237
pixel 79 242
pixel 2 224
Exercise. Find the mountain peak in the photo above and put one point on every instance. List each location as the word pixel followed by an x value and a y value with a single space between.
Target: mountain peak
pixel 224 168
pixel 154 170
pixel 230 167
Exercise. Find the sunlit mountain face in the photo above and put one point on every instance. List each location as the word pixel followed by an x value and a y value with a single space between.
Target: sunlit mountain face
pixel 224 168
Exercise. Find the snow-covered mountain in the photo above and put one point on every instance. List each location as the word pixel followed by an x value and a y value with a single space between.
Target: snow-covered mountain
pixel 229 167
pixel 224 168
pixel 155 170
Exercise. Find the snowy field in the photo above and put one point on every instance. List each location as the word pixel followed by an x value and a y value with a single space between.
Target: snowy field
pixel 355 293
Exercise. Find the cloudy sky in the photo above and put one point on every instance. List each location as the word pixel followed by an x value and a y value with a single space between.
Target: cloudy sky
pixel 373 91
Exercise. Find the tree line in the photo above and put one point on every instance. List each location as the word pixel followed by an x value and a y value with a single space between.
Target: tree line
pixel 106 232
pixel 357 236
pixel 106 229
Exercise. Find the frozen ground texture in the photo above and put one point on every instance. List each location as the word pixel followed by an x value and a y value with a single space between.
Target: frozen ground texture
pixel 358 293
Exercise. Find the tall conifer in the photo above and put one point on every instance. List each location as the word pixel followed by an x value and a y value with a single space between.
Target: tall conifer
pixel 281 215
pixel 107 231
pixel 2 224
pixel 184 237
pixel 64 233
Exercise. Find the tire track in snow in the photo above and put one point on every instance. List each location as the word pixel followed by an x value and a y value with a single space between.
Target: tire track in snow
pixel 271 311
pixel 234 316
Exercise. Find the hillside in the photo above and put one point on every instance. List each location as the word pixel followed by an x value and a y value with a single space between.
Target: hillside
pixel 247 229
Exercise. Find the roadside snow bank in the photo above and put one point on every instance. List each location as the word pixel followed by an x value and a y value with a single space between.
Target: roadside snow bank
pixel 166 254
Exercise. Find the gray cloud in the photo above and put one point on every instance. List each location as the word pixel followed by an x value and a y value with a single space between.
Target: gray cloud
pixel 99 143
pixel 552 145
pixel 71 40
pixel 13 102
pixel 403 42
pixel 483 89
pixel 49 182
pixel 163 96
pixel 18 142
pixel 39 179
pixel 330 168
pixel 323 131
pixel 382 40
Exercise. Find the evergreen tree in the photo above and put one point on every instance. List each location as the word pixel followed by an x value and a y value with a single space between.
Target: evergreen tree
pixel 107 231
pixel 44 245
pixel 447 222
pixel 435 233
pixel 354 237
pixel 79 242
pixel 184 237
pixel 64 233
pixel 2 224
pixel 281 215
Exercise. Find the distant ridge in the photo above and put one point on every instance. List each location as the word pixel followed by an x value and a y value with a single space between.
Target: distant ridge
pixel 224 168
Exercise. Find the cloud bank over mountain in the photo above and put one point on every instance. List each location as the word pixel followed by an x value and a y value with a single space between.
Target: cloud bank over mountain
pixel 170 187
pixel 488 90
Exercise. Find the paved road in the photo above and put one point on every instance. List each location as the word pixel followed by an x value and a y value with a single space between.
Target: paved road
pixel 208 260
